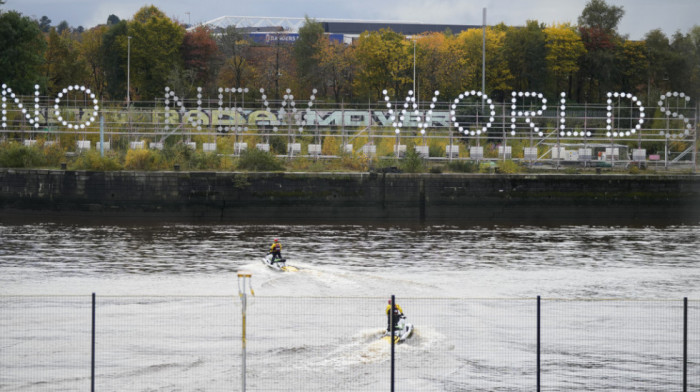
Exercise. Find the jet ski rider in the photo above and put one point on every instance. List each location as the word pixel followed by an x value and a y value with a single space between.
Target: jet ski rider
pixel 276 250
pixel 398 314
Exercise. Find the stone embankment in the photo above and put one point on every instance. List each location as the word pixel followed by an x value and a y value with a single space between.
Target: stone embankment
pixel 352 197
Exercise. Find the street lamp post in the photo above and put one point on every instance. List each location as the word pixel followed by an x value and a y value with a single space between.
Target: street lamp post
pixel 128 79
pixel 128 70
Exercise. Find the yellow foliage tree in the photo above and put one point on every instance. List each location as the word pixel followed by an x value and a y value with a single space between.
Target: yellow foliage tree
pixel 564 48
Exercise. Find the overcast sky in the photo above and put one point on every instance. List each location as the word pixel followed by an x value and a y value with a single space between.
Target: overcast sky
pixel 641 16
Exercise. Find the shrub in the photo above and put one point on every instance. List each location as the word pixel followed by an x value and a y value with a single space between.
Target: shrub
pixel 18 155
pixel 92 160
pixel 204 161
pixel 54 154
pixel 508 167
pixel 412 162
pixel 144 160
pixel 256 160
pixel 356 161
pixel 463 166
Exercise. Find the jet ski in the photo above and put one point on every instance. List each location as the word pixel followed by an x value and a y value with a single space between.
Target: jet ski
pixel 402 331
pixel 278 264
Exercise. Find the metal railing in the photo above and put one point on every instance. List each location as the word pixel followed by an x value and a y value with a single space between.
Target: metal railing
pixel 334 343
pixel 599 126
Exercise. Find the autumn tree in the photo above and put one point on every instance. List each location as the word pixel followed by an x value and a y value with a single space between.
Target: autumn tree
pixel 155 51
pixel 385 61
pixel 234 45
pixel 200 54
pixel 336 66
pixel 564 49
pixel 63 66
pixel 498 76
pixel 632 65
pixel 22 48
pixel 90 54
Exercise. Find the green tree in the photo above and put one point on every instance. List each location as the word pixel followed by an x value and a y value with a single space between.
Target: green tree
pixel 113 60
pixel 658 50
pixel 63 65
pixel 599 15
pixel 45 24
pixel 525 50
pixel 22 49
pixel 90 50
pixel 63 26
pixel 112 20
pixel 598 29
pixel 155 51
pixel 305 52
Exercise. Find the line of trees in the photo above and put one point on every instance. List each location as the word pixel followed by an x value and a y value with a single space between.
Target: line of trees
pixel 585 60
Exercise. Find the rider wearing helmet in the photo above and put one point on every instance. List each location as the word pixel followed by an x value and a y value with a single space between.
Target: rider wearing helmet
pixel 398 314
pixel 276 250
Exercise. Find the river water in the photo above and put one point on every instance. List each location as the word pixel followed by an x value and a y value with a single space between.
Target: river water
pixel 455 284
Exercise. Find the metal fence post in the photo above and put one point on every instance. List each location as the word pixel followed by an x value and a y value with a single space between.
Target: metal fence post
pixel 539 320
pixel 92 365
pixel 685 344
pixel 242 293
pixel 391 338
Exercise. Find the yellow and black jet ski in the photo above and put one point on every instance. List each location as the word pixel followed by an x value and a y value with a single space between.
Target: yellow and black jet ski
pixel 278 264
pixel 402 331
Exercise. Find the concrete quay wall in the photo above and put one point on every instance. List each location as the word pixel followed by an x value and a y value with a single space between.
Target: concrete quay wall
pixel 236 197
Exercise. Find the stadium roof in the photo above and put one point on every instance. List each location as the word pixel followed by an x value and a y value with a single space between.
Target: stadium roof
pixel 338 26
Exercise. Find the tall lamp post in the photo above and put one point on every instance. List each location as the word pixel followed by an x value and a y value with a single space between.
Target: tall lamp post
pixel 128 78
pixel 128 70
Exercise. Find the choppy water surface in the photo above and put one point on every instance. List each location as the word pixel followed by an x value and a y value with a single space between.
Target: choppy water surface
pixel 169 315
pixel 572 261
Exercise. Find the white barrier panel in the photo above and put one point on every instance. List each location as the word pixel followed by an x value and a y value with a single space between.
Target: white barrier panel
pixel 508 152
pixel 476 152
pixel 29 143
pixel 615 152
pixel 347 148
pixel 83 144
pixel 315 149
pixel 530 153
pixel 639 155
pixel 263 147
pixel 208 147
pixel 452 151
pixel 400 149
pixel 294 148
pixel 103 146
pixel 558 153
pixel 238 148
pixel 155 145
pixel 585 154
pixel 369 149
pixel 423 151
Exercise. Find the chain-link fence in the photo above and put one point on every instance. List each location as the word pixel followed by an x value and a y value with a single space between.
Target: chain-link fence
pixel 194 343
